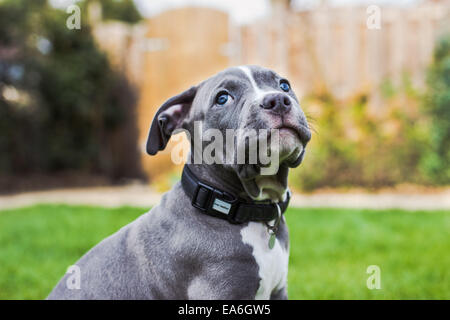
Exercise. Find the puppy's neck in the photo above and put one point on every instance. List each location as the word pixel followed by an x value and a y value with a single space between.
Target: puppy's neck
pixel 227 180
pixel 219 177
pixel 253 186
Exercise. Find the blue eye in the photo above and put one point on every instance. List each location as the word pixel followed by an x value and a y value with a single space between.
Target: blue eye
pixel 285 86
pixel 222 98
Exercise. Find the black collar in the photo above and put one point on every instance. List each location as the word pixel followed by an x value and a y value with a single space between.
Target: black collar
pixel 220 204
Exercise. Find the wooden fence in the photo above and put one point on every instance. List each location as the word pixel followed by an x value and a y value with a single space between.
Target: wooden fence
pixel 333 47
pixel 327 47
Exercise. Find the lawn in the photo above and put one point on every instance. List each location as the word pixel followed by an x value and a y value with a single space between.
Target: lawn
pixel 330 250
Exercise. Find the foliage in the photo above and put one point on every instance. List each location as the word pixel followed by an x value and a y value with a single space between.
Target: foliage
pixel 437 106
pixel 330 250
pixel 123 10
pixel 406 140
pixel 358 145
pixel 62 106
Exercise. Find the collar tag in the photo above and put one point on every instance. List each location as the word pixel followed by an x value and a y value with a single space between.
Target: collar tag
pixel 221 206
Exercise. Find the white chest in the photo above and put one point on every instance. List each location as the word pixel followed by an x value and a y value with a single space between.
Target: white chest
pixel 273 263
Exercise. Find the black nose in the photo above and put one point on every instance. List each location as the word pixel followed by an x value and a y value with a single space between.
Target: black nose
pixel 277 102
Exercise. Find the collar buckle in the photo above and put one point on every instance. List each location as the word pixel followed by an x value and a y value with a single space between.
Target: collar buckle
pixel 214 202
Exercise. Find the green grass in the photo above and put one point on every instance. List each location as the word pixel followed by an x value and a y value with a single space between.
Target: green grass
pixel 330 250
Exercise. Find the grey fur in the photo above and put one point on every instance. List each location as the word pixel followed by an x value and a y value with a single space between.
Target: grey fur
pixel 174 251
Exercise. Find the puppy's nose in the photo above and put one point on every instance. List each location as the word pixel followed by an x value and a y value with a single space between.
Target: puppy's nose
pixel 277 102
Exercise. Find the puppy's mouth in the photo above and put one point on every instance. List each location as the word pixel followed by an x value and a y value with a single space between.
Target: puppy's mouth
pixel 290 151
pixel 292 143
pixel 302 132
pixel 289 130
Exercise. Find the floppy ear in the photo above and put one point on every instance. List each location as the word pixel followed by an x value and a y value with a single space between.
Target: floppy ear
pixel 169 117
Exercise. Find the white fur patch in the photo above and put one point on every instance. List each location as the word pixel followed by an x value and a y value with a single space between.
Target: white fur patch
pixel 258 92
pixel 249 75
pixel 273 263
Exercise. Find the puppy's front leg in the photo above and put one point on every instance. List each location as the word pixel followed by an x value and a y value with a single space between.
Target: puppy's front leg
pixel 223 286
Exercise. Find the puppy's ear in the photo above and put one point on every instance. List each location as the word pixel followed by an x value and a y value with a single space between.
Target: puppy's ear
pixel 169 117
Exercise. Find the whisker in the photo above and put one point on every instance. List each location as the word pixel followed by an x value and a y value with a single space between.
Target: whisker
pixel 312 128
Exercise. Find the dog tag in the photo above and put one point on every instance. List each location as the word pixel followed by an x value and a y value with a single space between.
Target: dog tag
pixel 273 229
pixel 272 239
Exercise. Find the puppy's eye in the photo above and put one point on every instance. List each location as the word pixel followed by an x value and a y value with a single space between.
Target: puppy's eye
pixel 222 98
pixel 285 86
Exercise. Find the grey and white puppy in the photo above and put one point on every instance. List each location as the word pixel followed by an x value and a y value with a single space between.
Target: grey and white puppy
pixel 175 251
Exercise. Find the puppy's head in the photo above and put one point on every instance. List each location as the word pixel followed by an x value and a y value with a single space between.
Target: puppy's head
pixel 244 105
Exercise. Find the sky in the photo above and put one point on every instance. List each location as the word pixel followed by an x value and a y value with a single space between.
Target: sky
pixel 241 11
pixel 246 11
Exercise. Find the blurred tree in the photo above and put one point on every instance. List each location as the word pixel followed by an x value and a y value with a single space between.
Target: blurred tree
pixel 62 106
pixel 437 105
pixel 123 10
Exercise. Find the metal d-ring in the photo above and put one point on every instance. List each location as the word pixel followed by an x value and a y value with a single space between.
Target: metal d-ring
pixel 272 229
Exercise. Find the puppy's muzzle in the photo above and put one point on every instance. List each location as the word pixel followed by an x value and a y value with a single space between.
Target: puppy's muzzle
pixel 276 102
